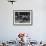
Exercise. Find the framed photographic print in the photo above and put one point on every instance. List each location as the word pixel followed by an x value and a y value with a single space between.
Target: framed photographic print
pixel 22 17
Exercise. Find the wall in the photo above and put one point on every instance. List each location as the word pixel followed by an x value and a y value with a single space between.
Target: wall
pixel 37 31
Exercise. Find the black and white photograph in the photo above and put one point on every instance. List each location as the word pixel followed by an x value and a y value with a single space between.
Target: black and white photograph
pixel 22 16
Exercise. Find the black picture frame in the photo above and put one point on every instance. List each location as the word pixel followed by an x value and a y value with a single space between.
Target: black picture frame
pixel 22 17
